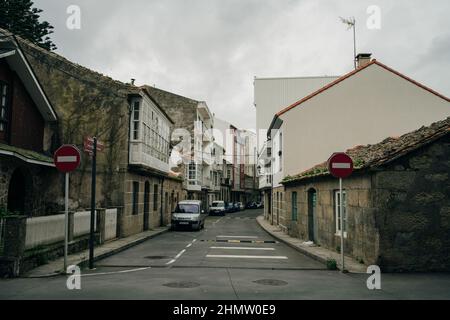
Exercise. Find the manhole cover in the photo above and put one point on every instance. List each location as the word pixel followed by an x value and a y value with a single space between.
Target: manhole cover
pixel 156 257
pixel 271 282
pixel 182 284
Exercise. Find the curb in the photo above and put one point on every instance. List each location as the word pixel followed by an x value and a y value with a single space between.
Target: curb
pixel 83 263
pixel 306 253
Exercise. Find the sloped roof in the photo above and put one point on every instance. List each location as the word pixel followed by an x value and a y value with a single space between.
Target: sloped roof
pixel 168 99
pixel 348 75
pixel 388 150
pixel 26 155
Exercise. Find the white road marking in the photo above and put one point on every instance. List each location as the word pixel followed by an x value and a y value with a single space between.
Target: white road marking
pixel 113 272
pixel 180 253
pixel 190 244
pixel 171 261
pixel 244 257
pixel 194 240
pixel 338 165
pixel 241 248
pixel 67 159
pixel 248 237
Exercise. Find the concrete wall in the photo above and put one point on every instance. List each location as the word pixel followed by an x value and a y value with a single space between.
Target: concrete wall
pixel 363 109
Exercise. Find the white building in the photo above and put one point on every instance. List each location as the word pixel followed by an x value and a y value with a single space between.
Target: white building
pixel 362 107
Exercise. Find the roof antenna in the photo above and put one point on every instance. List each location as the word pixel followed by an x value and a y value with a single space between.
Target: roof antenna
pixel 351 22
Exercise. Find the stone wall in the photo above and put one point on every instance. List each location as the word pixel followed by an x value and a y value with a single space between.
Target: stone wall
pixel 362 236
pixel 37 189
pixel 413 197
pixel 87 104
pixel 134 222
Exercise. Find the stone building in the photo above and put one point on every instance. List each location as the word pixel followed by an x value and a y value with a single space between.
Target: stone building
pixel 396 203
pixel 133 171
pixel 194 142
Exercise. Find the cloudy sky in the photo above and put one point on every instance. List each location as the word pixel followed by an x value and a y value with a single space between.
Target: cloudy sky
pixel 212 49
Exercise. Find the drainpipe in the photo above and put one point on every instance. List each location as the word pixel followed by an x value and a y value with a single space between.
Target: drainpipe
pixel 161 218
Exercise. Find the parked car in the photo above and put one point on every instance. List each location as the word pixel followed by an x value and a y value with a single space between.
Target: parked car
pixel 259 205
pixel 217 208
pixel 241 206
pixel 189 214
pixel 230 207
pixel 250 205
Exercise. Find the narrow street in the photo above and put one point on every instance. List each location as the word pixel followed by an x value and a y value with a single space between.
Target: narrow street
pixel 231 258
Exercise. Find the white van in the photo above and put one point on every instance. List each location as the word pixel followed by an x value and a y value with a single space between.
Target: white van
pixel 189 213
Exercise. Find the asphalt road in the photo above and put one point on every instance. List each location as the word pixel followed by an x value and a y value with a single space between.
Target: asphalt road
pixel 232 258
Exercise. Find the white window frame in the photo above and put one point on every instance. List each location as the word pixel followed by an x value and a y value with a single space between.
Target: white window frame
pixel 337 215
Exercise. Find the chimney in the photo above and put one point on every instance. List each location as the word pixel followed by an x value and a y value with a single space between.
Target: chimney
pixel 362 59
pixel 132 81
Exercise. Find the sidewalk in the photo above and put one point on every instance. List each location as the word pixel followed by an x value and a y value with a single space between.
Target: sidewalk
pixel 107 249
pixel 318 253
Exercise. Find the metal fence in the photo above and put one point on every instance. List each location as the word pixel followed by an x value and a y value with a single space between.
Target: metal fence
pixel 2 234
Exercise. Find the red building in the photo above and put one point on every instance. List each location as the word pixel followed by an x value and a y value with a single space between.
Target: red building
pixel 27 122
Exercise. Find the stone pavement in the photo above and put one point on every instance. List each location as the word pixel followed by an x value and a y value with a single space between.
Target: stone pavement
pixel 107 249
pixel 316 252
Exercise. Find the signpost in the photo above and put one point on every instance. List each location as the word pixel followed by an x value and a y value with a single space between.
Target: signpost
pixel 340 166
pixel 67 158
pixel 91 146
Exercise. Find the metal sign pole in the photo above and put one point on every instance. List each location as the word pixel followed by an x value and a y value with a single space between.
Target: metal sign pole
pixel 341 207
pixel 66 221
pixel 91 237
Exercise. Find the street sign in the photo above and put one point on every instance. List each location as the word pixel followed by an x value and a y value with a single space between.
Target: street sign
pixel 340 165
pixel 67 158
pixel 88 145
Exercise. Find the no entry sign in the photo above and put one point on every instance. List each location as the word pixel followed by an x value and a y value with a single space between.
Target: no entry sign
pixel 340 165
pixel 67 158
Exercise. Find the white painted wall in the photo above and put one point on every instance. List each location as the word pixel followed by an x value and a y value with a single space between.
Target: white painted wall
pixel 273 94
pixel 363 109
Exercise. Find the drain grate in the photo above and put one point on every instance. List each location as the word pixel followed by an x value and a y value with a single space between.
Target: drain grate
pixel 182 284
pixel 156 257
pixel 271 282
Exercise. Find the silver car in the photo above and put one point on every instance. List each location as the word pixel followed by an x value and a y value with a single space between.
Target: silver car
pixel 189 214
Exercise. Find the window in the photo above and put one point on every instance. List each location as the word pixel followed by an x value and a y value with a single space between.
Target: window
pixel 337 200
pixel 135 208
pixel 155 197
pixel 3 105
pixel 294 206
pixel 280 151
pixel 136 120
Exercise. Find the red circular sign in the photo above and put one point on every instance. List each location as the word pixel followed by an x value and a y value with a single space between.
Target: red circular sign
pixel 67 158
pixel 340 165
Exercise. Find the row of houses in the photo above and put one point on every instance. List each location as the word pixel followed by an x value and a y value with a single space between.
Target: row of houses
pixel 396 203
pixel 160 147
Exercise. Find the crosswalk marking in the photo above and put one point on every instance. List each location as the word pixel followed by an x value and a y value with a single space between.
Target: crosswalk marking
pixel 249 237
pixel 244 256
pixel 242 248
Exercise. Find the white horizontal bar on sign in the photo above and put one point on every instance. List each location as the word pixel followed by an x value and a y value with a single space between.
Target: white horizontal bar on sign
pixel 67 159
pixel 242 248
pixel 248 237
pixel 338 165
pixel 244 257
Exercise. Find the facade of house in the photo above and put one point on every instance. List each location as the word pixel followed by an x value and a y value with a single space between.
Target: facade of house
pixel 133 171
pixel 396 203
pixel 194 141
pixel 361 107
pixel 270 94
pixel 27 124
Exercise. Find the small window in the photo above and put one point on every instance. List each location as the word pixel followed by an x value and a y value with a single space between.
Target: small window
pixel 294 206
pixel 136 110
pixel 337 200
pixel 135 208
pixel 155 198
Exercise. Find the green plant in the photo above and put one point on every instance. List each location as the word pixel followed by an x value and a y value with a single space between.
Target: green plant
pixel 338 249
pixel 331 264
pixel 4 212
